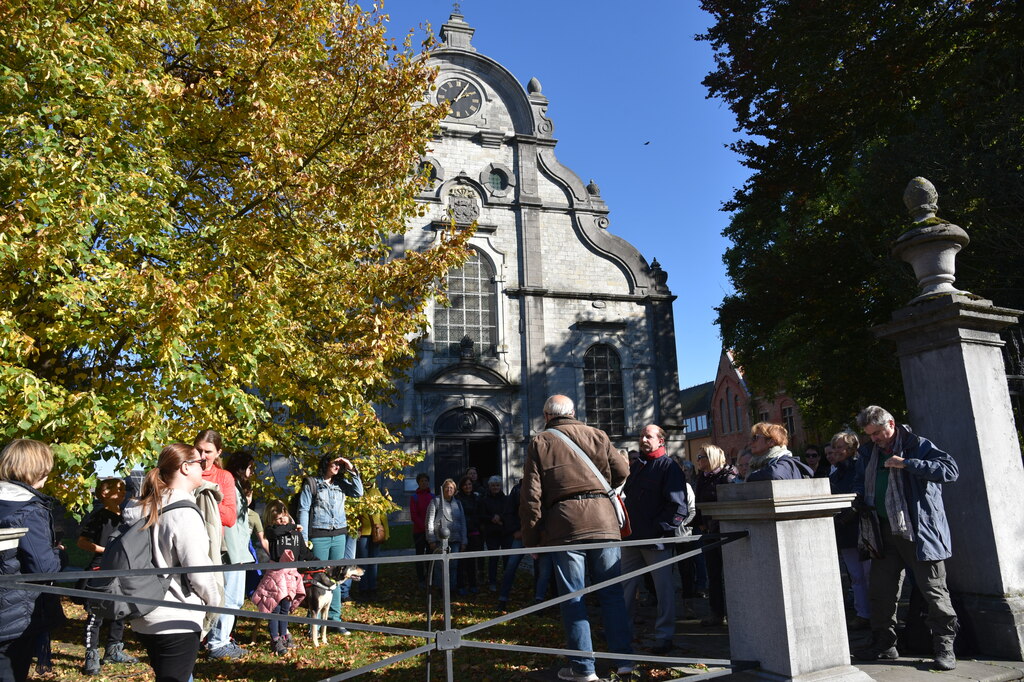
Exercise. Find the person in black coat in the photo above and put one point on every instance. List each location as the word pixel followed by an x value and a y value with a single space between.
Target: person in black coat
pixel 492 525
pixel 818 464
pixel 714 471
pixel 843 456
pixel 24 467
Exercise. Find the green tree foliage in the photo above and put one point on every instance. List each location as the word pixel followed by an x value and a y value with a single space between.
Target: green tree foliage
pixel 196 202
pixel 841 104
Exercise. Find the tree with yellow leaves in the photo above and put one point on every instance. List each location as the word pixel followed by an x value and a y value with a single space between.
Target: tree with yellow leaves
pixel 196 201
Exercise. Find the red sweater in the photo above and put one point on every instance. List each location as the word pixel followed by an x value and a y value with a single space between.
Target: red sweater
pixel 228 506
pixel 418 503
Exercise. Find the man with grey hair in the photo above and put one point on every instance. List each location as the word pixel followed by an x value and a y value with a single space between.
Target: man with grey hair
pixel 900 484
pixel 564 503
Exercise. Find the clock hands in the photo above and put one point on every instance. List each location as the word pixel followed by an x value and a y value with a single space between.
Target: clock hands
pixel 463 92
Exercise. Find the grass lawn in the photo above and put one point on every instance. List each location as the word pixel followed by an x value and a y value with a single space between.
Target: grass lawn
pixel 401 603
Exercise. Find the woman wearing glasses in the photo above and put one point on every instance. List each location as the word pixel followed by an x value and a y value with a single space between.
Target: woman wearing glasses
pixel 170 635
pixel 771 460
pixel 714 471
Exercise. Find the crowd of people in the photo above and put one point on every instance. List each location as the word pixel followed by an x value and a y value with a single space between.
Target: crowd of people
pixel 197 506
pixel 566 497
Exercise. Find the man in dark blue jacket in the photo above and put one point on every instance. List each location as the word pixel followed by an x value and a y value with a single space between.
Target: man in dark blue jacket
pixel 900 484
pixel 656 501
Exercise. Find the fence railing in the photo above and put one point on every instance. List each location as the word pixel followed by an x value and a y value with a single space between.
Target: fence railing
pixel 448 640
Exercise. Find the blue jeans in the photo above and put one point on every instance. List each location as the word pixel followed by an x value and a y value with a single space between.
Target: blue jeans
pixel 571 570
pixel 327 549
pixel 367 549
pixel 234 595
pixel 543 566
pixel 510 571
pixel 279 628
pixel 350 553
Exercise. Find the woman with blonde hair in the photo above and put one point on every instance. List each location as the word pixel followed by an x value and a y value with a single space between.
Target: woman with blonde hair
pixel 843 457
pixel 171 635
pixel 24 467
pixel 713 471
pixel 772 460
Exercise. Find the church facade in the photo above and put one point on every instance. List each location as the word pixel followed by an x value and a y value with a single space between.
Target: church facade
pixel 550 301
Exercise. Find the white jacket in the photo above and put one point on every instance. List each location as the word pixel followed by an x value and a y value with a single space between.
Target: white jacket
pixel 179 539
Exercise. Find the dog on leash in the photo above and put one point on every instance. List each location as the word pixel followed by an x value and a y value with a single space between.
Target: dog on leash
pixel 320 592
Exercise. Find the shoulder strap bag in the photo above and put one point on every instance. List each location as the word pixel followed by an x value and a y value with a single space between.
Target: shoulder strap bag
pixel 613 497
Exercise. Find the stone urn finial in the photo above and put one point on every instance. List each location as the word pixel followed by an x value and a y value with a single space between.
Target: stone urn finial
pixel 932 244
pixel 921 199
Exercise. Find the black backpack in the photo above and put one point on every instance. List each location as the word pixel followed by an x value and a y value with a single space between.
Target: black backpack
pixel 293 502
pixel 131 548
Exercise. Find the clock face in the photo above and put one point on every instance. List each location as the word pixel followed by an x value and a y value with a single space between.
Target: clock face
pixel 461 95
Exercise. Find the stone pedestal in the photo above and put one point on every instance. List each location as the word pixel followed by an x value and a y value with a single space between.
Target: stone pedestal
pixel 785 600
pixel 957 397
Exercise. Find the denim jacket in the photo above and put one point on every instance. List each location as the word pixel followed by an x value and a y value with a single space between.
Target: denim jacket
pixel 328 511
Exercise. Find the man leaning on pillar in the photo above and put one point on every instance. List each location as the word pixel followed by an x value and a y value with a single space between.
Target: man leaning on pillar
pixel 900 485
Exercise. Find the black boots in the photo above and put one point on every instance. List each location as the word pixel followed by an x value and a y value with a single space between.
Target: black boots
pixel 882 647
pixel 945 659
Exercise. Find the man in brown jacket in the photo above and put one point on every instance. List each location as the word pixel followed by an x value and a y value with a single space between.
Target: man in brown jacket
pixel 563 503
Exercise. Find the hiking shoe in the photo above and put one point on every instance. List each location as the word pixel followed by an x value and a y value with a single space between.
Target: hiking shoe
pixel 568 674
pixel 875 653
pixel 115 654
pixel 228 652
pixel 289 641
pixel 92 662
pixel 502 606
pixel 279 646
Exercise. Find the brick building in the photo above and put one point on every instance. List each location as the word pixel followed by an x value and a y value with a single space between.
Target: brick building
pixel 734 410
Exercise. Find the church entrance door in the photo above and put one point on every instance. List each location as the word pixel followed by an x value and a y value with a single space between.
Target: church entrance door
pixel 466 437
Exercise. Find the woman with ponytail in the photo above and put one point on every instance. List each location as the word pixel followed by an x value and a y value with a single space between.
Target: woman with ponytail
pixel 170 635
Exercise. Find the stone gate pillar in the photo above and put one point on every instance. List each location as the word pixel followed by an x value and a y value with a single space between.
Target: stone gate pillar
pixel 957 397
pixel 785 604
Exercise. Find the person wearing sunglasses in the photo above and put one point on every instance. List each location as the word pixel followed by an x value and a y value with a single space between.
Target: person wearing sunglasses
pixel 818 464
pixel 171 635
pixel 772 460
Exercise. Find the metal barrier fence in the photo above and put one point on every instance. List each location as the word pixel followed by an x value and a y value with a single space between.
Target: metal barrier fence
pixel 447 640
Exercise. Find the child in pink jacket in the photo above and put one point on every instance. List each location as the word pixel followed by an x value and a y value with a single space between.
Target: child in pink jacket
pixel 280 591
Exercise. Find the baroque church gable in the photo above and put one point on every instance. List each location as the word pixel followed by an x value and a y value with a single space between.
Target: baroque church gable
pixel 549 302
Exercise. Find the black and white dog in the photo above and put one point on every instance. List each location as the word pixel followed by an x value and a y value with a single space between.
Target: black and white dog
pixel 320 591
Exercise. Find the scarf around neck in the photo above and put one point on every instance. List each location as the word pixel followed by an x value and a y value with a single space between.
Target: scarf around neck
pixel 895 496
pixel 774 453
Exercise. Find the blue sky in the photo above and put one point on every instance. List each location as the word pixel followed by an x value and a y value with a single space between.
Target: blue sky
pixel 624 85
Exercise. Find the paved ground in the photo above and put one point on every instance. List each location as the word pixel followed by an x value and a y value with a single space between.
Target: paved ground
pixel 694 641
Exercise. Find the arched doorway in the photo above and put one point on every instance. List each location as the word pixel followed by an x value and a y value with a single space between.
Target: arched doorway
pixel 466 437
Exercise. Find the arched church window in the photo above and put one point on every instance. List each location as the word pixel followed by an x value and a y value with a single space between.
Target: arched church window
pixel 473 311
pixel 602 389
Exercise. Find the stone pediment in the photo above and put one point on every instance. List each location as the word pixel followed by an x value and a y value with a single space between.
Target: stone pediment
pixel 465 375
